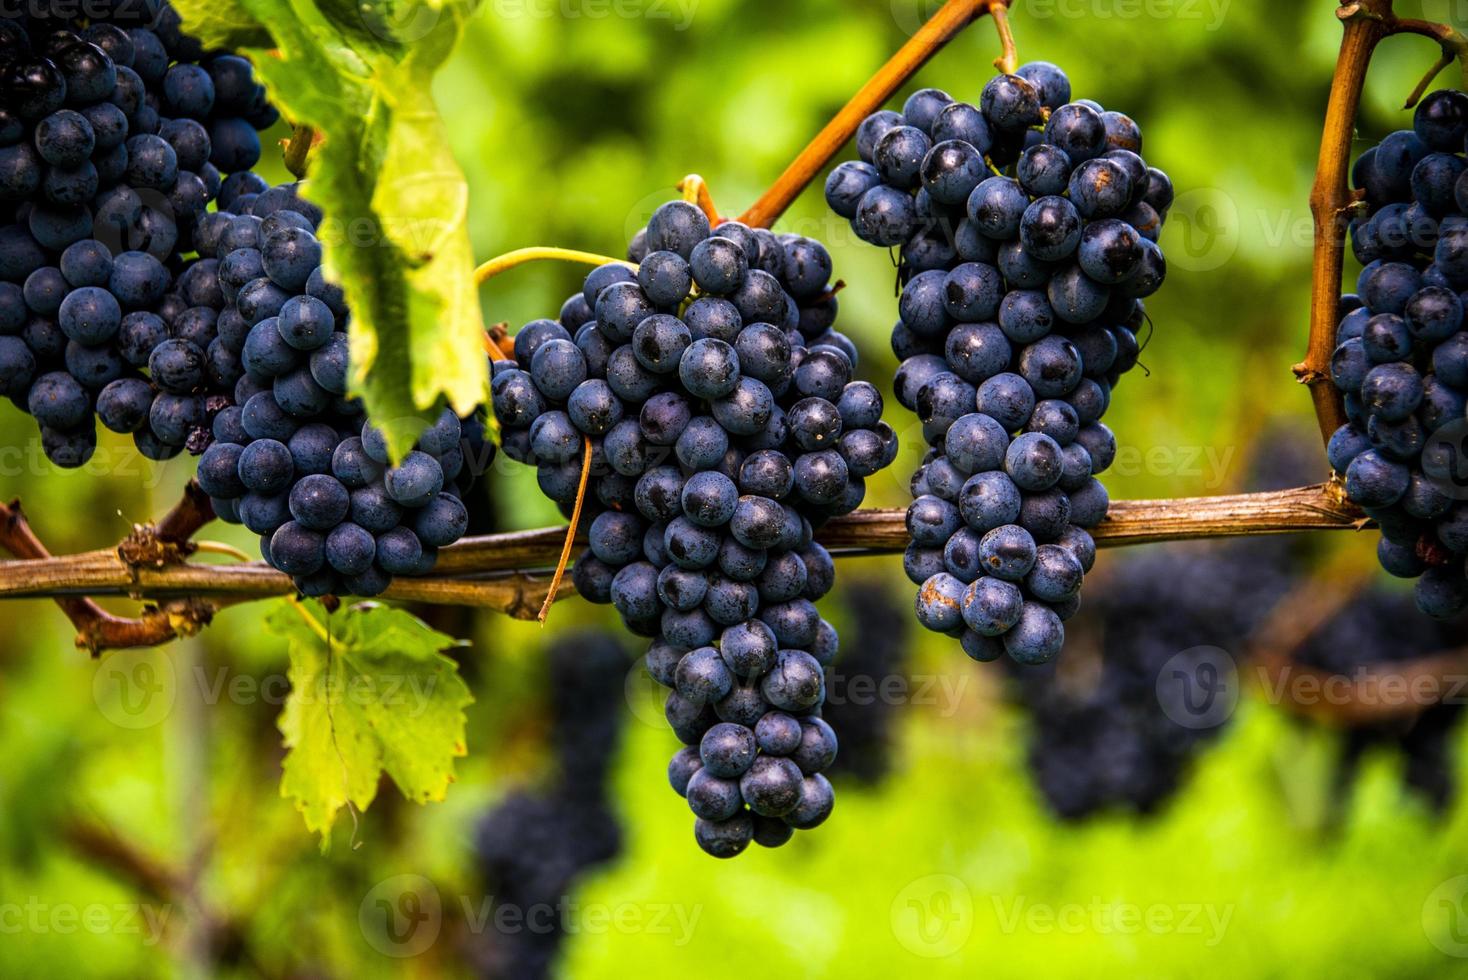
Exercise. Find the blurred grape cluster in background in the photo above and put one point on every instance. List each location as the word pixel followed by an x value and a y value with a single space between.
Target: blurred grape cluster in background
pixel 1091 819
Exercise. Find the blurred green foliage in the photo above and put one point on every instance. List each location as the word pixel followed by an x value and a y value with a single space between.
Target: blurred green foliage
pixel 572 120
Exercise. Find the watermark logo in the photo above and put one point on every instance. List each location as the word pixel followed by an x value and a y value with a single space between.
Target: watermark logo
pixel 933 916
pixel 400 21
pixel 1453 12
pixel 28 458
pixel 1445 916
pixel 910 15
pixel 1209 466
pixel 1445 460
pixel 137 220
pixel 645 696
pixel 135 689
pixel 401 916
pixel 1202 231
pixel 1363 687
pixel 1199 687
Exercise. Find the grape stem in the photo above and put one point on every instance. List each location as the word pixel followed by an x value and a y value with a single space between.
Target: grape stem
pixel 499 572
pixel 497 343
pixel 927 41
pixel 555 584
pixel 696 191
pixel 298 604
pixel 1455 48
pixel 1370 695
pixel 1008 60
pixel 221 548
pixel 298 151
pixel 97 629
pixel 542 253
pixel 101 847
pixel 1366 24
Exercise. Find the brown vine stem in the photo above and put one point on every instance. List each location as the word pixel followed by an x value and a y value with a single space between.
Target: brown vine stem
pixel 97 629
pixel 190 514
pixel 104 573
pixel 1374 694
pixel 1008 59
pixel 1448 57
pixel 927 41
pixel 876 532
pixel 1366 23
pixel 498 344
pixel 298 151
pixel 101 847
pixel 1454 48
pixel 571 530
pixel 491 571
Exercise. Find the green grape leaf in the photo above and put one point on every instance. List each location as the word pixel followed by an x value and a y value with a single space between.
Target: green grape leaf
pixel 396 234
pixel 227 25
pixel 371 693
pixel 388 26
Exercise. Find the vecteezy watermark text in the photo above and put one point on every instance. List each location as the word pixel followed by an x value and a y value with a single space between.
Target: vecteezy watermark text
pixel 34 917
pixel 402 916
pixel 1114 918
pixel 1210 13
pixel 679 12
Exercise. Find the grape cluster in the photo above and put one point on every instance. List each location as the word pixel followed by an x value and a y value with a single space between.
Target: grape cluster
pixel 1427 746
pixel 536 844
pixel 211 330
pixel 1378 630
pixel 1028 229
pixel 1105 742
pixel 865 715
pixel 293 459
pixel 1111 735
pixel 1402 354
pixel 114 138
pixel 1105 739
pixel 1121 734
pixel 723 425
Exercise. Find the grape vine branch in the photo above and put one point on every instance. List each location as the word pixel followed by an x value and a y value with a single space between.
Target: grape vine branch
pixel 1366 24
pixel 509 573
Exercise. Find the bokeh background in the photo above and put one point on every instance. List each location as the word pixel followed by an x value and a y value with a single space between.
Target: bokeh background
pixel 141 828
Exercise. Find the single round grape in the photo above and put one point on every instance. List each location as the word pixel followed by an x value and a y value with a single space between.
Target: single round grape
pixel 701 677
pixel 771 786
pixel 1037 637
pixel 296 549
pixel 1010 102
pixel 885 216
pixel 724 838
pixel 727 751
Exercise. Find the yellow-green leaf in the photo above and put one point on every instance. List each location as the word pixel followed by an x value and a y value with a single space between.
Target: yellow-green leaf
pixel 371 693
pixel 396 235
